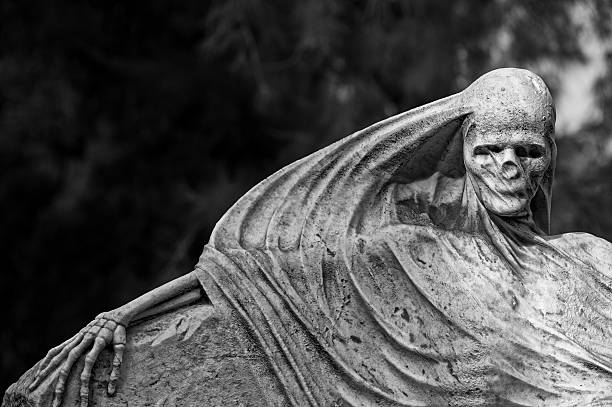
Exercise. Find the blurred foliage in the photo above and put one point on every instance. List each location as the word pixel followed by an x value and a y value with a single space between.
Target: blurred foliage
pixel 128 128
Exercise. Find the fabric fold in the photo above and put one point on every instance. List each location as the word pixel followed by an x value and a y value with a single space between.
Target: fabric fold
pixel 371 274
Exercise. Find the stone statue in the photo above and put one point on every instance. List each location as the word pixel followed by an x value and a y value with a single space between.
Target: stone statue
pixel 406 264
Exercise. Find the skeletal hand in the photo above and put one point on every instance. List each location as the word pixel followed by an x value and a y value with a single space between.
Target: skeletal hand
pixel 107 328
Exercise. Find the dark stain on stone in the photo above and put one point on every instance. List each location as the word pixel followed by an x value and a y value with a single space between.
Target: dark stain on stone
pixel 514 302
pixel 338 338
pixel 450 370
pixel 405 315
pixel 361 245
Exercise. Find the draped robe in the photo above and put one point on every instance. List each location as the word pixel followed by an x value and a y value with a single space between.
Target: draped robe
pixel 370 274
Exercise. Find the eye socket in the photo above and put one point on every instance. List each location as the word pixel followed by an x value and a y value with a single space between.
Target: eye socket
pixel 495 148
pixel 536 151
pixel 486 149
pixel 530 150
pixel 521 151
pixel 481 150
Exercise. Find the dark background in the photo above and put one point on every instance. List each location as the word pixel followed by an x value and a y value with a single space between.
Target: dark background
pixel 128 129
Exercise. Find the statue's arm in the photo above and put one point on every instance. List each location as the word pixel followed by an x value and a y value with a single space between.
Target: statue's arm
pixel 108 328
pixel 171 295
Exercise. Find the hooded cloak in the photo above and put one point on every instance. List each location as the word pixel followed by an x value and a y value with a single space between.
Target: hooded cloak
pixel 370 273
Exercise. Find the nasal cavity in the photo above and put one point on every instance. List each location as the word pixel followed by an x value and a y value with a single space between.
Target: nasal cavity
pixel 510 170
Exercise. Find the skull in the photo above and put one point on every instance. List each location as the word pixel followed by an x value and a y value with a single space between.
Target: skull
pixel 507 140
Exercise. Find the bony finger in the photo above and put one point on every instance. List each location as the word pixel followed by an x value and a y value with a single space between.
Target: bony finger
pixel 90 359
pixel 52 353
pixel 57 360
pixel 119 340
pixel 119 335
pixel 89 325
pixel 65 370
pixel 92 332
pixel 48 357
pixel 117 361
pixel 110 324
pixel 106 334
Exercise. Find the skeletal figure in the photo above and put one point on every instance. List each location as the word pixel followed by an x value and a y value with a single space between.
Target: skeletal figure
pixel 442 210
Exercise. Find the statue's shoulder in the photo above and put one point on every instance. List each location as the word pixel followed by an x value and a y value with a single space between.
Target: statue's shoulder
pixel 582 240
pixel 591 249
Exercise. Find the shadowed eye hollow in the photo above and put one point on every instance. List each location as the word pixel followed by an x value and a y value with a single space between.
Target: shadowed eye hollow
pixel 487 149
pixel 529 150
pixel 523 150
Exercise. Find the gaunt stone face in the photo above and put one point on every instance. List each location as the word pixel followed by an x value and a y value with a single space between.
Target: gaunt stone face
pixel 507 140
pixel 506 166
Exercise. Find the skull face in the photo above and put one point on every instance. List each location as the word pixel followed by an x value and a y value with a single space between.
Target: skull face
pixel 508 146
pixel 506 165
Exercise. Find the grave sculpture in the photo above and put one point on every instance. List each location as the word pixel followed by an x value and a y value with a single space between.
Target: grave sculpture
pixel 408 264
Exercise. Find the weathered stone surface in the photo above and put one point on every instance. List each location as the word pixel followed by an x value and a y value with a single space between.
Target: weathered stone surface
pixel 193 356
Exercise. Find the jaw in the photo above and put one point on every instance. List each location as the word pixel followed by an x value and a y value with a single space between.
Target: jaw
pixel 507 202
pixel 508 208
